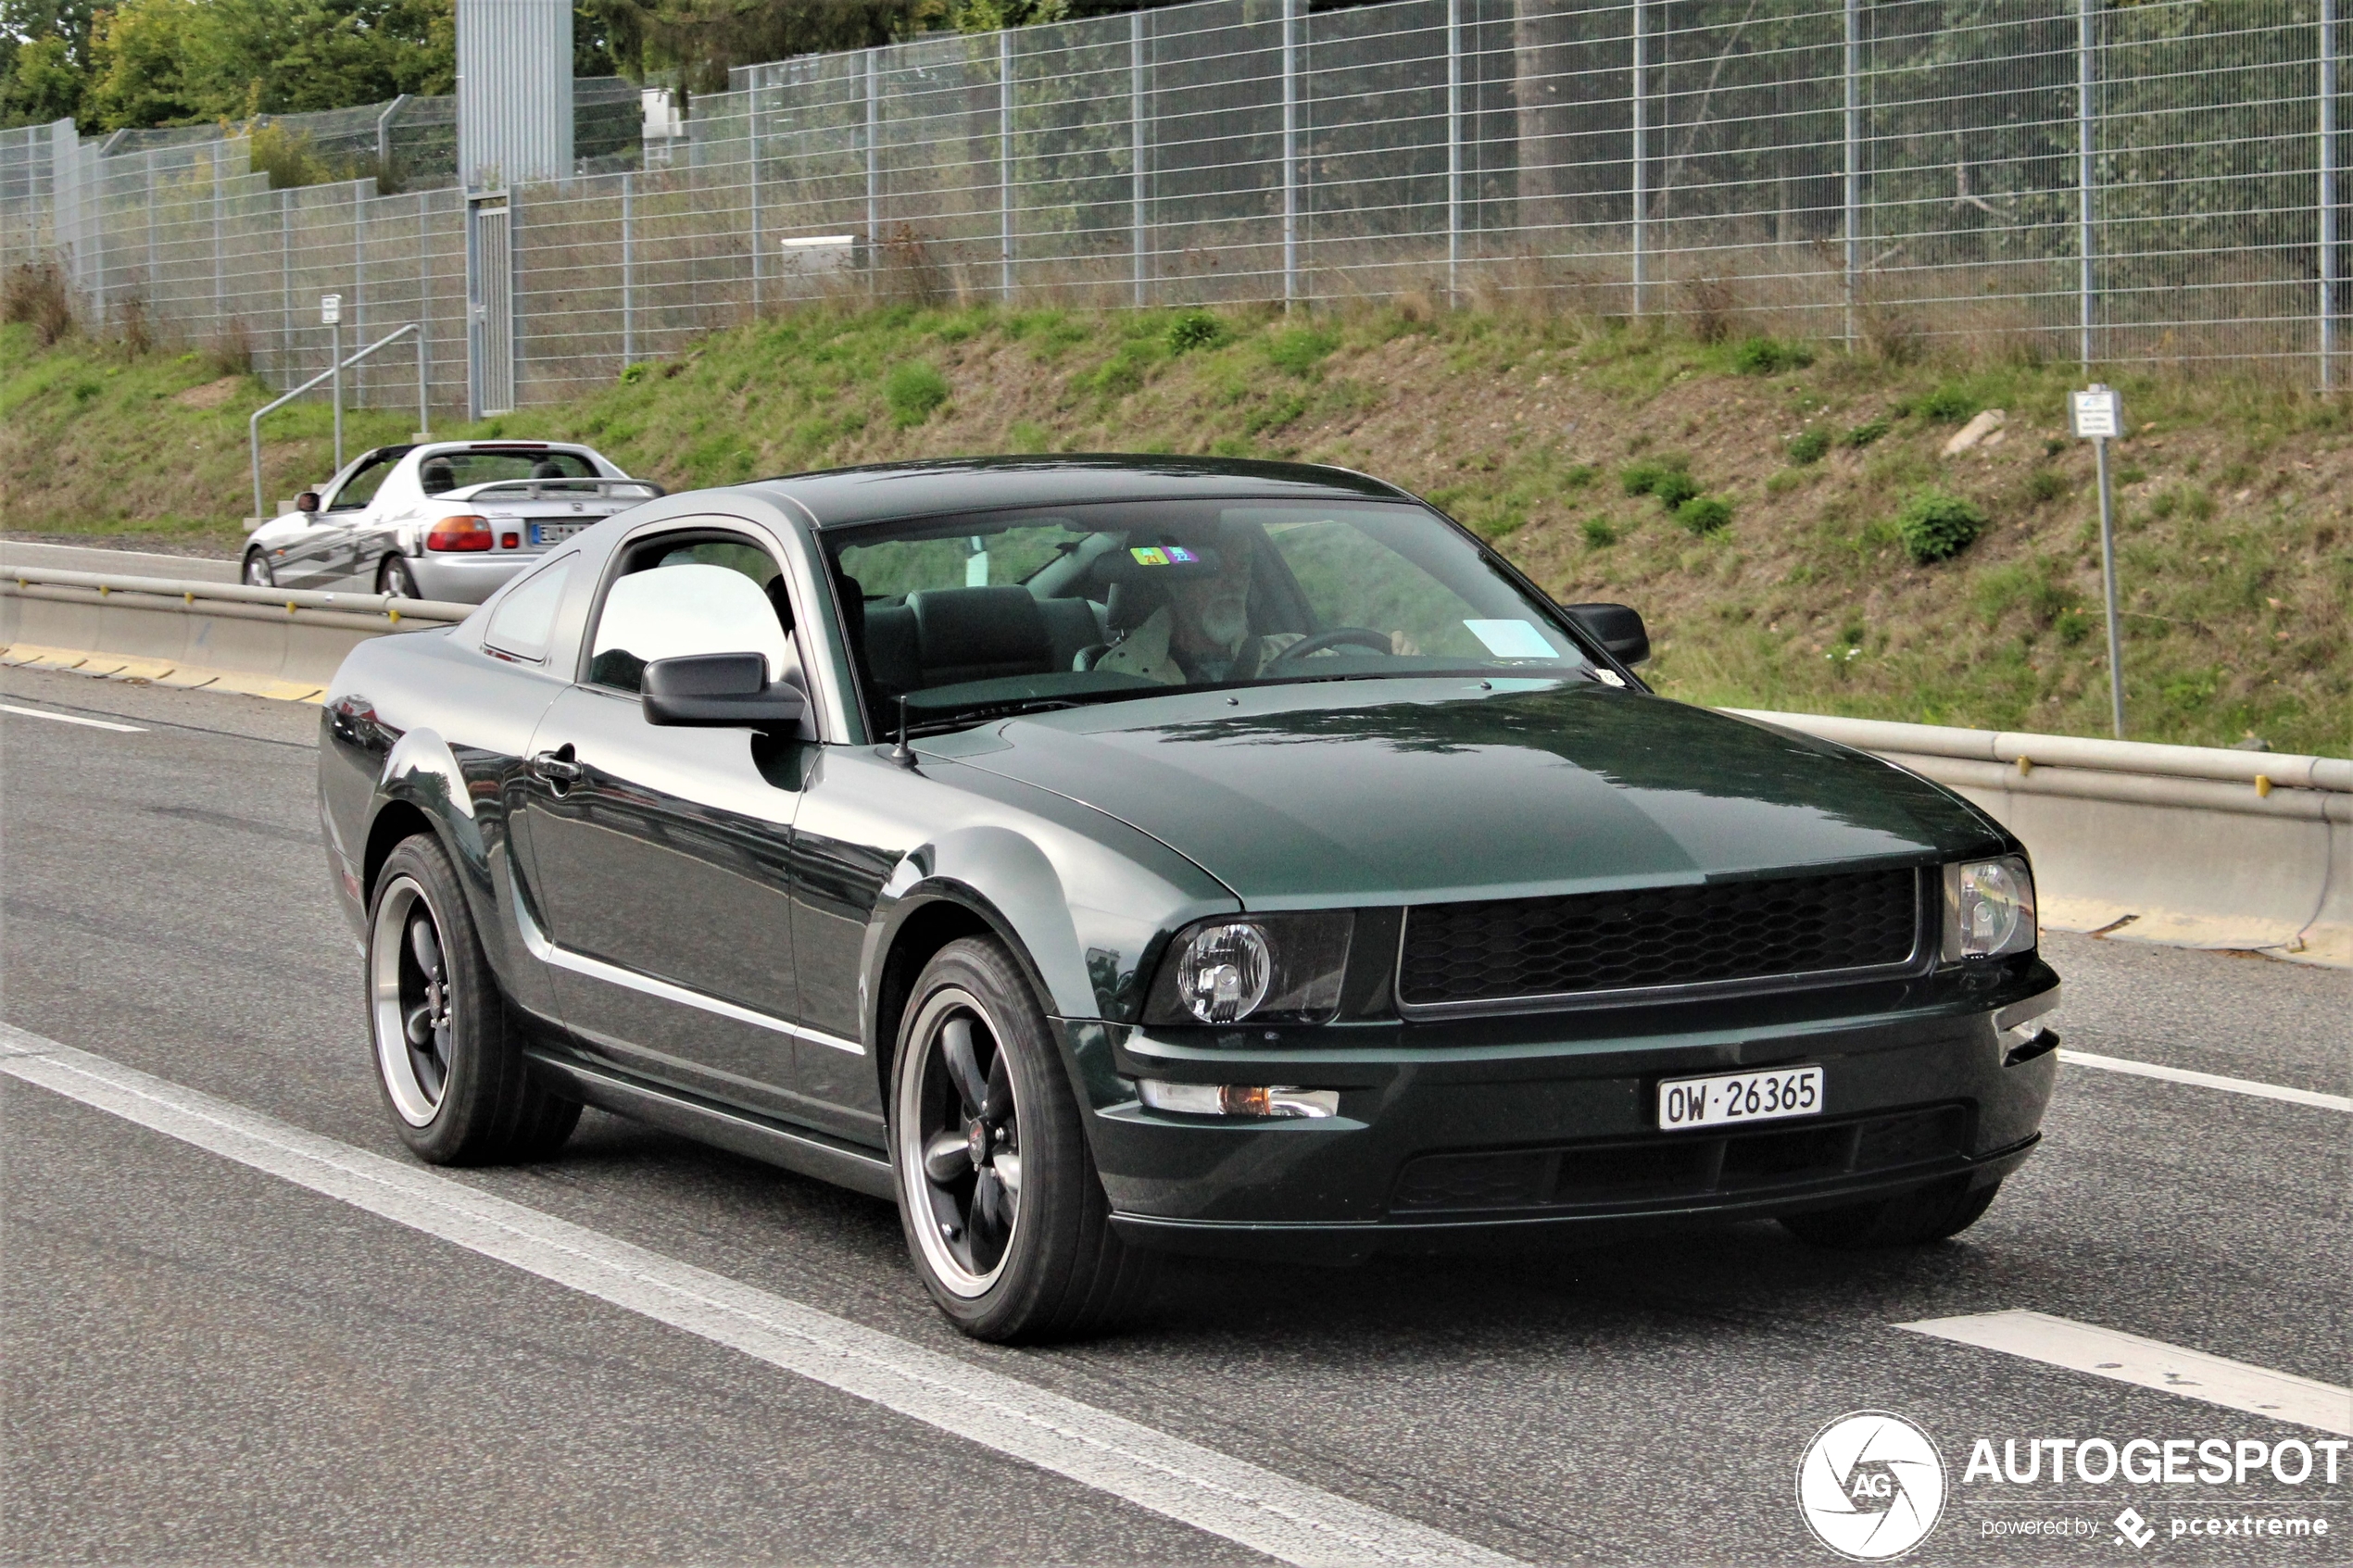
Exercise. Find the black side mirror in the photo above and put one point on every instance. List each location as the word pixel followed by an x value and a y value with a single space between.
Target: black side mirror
pixel 717 690
pixel 1616 627
pixel 307 502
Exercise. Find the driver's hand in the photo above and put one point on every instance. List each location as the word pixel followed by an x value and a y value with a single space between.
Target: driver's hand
pixel 1402 644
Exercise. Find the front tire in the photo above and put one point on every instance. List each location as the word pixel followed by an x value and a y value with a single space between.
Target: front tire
pixel 1911 1218
pixel 449 1058
pixel 395 581
pixel 1004 1213
pixel 256 570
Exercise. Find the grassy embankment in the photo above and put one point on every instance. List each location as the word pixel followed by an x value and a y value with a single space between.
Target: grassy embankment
pixel 1800 591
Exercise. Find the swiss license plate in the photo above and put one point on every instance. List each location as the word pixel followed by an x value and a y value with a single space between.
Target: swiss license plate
pixel 549 533
pixel 1771 1096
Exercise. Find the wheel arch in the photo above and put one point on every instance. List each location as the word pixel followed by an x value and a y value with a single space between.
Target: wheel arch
pixel 924 921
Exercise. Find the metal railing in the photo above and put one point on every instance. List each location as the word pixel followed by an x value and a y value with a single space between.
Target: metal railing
pixel 2113 182
pixel 335 373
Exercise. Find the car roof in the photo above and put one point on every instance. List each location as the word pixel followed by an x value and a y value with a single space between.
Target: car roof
pixel 883 492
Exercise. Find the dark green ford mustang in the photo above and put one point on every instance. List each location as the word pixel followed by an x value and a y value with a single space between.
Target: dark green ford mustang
pixel 1116 856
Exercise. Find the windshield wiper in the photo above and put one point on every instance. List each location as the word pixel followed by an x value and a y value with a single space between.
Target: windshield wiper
pixel 1009 708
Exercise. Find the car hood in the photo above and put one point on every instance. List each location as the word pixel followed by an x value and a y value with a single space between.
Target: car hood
pixel 1421 791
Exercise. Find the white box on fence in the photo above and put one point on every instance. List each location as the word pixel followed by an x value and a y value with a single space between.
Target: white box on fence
pixel 821 256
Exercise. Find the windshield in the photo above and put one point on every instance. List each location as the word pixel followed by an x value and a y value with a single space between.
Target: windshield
pixel 971 617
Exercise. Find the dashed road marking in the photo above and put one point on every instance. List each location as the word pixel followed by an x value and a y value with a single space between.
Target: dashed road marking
pixel 73 719
pixel 2209 1081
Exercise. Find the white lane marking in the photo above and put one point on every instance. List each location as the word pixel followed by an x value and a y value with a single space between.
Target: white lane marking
pixel 2151 1363
pixel 1287 1520
pixel 2209 1081
pixel 73 719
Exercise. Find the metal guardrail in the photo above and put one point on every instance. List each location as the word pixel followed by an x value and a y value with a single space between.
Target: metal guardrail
pixel 237 600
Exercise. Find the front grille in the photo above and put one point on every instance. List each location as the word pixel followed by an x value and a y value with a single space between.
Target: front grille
pixel 1512 948
pixel 1678 1167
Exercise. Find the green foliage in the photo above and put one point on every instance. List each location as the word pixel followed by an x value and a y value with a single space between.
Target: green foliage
pixel 194 62
pixel 1936 525
pixel 1195 328
pixel 631 374
pixel 1668 478
pixel 1598 533
pixel 1300 350
pixel 1576 476
pixel 913 390
pixel 1863 434
pixel 1950 404
pixel 1704 514
pixel 1809 445
pixel 2074 626
pixel 2045 486
pixel 1770 357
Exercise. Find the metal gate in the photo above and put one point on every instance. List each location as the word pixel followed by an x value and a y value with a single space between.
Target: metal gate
pixel 490 293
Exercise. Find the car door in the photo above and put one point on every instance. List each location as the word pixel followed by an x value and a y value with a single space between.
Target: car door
pixel 327 553
pixel 661 852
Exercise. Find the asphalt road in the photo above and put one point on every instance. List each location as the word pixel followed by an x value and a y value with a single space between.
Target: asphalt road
pixel 206 1363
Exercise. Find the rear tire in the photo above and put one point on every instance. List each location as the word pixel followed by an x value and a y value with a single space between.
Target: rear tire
pixel 1005 1212
pixel 449 1056
pixel 395 581
pixel 256 570
pixel 1912 1219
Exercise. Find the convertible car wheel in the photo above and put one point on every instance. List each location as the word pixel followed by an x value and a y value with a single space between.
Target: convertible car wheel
pixel 395 580
pixel 447 1059
pixel 1911 1218
pixel 1004 1213
pixel 257 573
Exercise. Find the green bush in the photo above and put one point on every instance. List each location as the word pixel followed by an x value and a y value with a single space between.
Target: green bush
pixel 1937 525
pixel 1770 357
pixel 1704 514
pixel 1809 445
pixel 2072 625
pixel 1670 479
pixel 630 375
pixel 913 389
pixel 1949 405
pixel 1864 433
pixel 1300 349
pixel 2047 484
pixel 1578 476
pixel 1195 328
pixel 1598 533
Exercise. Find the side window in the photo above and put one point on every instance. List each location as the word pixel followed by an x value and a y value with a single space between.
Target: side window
pixel 708 597
pixel 361 487
pixel 526 617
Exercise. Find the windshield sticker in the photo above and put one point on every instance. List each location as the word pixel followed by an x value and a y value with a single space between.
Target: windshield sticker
pixel 1512 639
pixel 1172 555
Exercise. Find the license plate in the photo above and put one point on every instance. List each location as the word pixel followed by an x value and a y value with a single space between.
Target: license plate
pixel 1740 1097
pixel 551 532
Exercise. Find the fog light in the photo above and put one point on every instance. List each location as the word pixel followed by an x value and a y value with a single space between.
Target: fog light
pixel 510 541
pixel 1238 1099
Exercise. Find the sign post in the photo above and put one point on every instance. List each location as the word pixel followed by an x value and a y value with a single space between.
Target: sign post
pixel 331 317
pixel 2098 417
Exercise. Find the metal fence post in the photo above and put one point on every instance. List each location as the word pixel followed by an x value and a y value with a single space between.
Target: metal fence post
pixel 1005 165
pixel 874 168
pixel 286 283
pixel 628 272
pixel 358 287
pixel 1291 154
pixel 148 158
pixel 2328 196
pixel 1454 149
pixel 1136 151
pixel 1642 148
pixel 425 278
pixel 751 153
pixel 2083 174
pixel 1854 192
pixel 220 277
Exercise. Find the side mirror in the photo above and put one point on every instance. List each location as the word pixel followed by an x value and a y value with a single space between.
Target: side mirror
pixel 717 690
pixel 307 502
pixel 1616 627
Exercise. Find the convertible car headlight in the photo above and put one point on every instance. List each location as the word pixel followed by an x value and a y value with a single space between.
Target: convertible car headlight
pixel 1989 908
pixel 1257 969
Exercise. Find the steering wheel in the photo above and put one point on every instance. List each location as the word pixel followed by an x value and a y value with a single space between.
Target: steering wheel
pixel 1362 636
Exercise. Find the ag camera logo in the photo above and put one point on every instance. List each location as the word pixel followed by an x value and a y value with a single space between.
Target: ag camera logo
pixel 1871 1486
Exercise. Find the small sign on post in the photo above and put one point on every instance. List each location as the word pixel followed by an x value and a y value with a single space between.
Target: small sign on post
pixel 331 317
pixel 331 310
pixel 2097 414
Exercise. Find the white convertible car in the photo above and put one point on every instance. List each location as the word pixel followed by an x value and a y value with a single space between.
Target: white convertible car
pixel 447 519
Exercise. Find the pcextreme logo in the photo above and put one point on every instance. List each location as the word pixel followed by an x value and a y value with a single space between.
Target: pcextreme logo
pixel 1871 1486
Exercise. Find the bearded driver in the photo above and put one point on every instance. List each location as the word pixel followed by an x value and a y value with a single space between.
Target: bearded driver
pixel 1200 634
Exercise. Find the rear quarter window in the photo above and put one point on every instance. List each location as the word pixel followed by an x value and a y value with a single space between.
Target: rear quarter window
pixel 525 618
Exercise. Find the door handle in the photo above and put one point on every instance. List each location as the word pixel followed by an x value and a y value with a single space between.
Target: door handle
pixel 556 769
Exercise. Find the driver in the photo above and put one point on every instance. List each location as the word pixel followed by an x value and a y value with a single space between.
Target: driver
pixel 1200 634
pixel 436 476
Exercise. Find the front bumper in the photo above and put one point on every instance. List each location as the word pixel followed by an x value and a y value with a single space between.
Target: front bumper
pixel 1481 1132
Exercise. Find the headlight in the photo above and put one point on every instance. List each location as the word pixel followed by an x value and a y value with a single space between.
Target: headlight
pixel 1258 968
pixel 1989 908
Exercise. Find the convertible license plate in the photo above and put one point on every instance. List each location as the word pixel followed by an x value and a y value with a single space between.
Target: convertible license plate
pixel 1740 1097
pixel 551 532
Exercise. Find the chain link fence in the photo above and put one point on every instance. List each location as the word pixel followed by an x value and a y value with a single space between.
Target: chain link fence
pixel 2150 182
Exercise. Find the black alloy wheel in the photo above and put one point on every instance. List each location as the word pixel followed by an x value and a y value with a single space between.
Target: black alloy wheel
pixel 449 1058
pixel 395 581
pixel 1005 1212
pixel 258 573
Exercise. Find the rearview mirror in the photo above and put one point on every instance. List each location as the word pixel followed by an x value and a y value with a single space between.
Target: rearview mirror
pixel 1616 627
pixel 307 502
pixel 717 690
